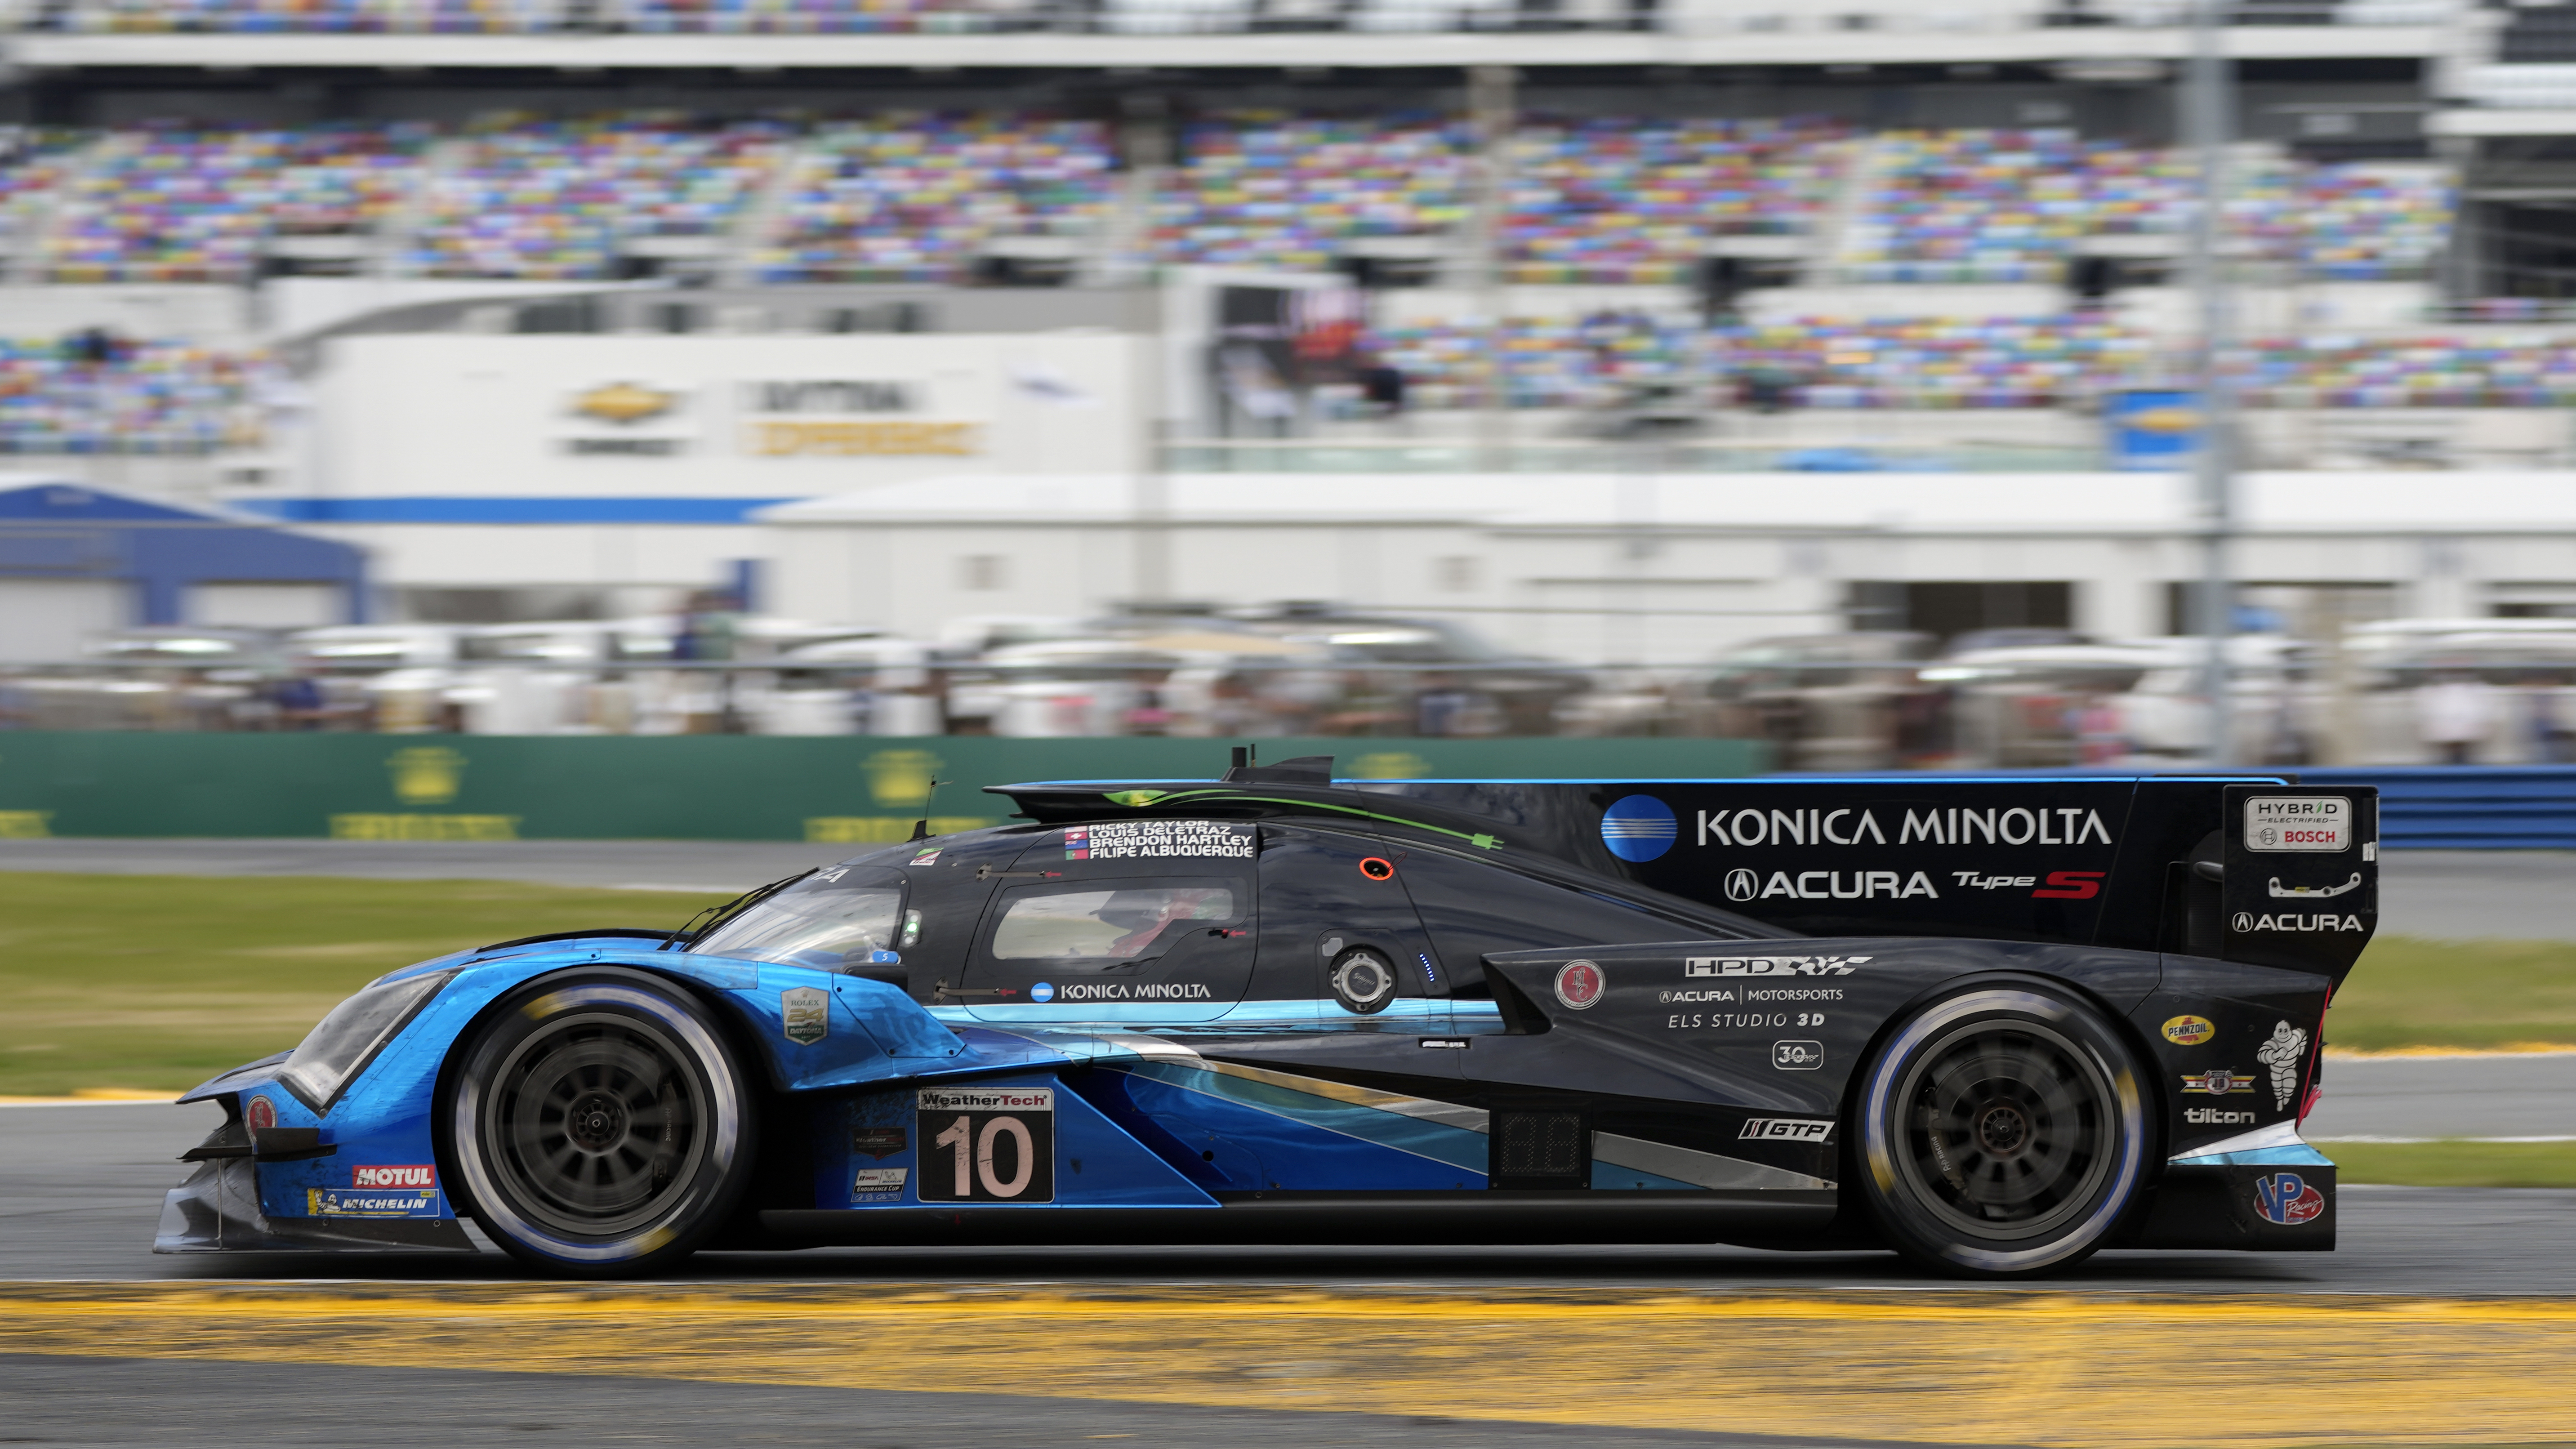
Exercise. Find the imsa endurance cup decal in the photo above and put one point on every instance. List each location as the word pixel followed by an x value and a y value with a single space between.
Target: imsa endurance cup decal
pixel 985 1144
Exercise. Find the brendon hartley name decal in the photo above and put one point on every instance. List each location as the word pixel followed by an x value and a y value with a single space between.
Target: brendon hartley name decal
pixel 1954 825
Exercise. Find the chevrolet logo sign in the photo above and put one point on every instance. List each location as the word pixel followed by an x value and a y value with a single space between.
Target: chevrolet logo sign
pixel 624 402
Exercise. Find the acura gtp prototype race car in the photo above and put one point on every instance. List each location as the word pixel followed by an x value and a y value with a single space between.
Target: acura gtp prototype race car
pixel 1992 1024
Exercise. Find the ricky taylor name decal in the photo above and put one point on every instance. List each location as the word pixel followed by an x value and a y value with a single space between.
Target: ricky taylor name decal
pixel 1955 825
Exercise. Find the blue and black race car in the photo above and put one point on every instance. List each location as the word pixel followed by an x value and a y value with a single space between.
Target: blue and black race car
pixel 1992 1024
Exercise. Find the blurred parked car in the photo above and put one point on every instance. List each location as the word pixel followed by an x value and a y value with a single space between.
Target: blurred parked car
pixel 1424 676
pixel 166 677
pixel 1850 701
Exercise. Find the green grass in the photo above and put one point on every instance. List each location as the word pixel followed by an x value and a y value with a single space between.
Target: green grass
pixel 2410 992
pixel 2455 1164
pixel 159 982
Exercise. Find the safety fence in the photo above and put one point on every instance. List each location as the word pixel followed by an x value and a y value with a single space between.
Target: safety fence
pixel 854 790
pixel 2531 808
pixel 857 790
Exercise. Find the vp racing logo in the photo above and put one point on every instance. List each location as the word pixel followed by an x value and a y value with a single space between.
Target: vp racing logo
pixel 1639 828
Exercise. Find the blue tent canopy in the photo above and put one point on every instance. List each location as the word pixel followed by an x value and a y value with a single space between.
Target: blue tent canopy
pixel 73 531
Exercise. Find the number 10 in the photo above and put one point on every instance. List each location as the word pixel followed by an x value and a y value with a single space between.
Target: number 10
pixel 961 1133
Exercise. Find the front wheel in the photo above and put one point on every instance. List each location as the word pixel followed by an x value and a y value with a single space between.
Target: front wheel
pixel 600 1124
pixel 2002 1133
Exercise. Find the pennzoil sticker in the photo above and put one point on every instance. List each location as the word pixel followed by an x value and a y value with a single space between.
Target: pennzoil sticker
pixel 1160 840
pixel 806 1014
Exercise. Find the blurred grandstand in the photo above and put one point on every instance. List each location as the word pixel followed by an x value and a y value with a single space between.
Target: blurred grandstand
pixel 1641 238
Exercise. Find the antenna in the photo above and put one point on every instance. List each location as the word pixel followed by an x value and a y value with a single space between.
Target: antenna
pixel 921 827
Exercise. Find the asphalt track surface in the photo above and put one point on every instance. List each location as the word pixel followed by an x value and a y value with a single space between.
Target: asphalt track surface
pixel 2443 894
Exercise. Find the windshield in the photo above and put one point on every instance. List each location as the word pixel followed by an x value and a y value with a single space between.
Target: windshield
pixel 818 923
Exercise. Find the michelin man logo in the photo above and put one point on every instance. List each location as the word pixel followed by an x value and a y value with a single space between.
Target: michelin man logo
pixel 2282 1054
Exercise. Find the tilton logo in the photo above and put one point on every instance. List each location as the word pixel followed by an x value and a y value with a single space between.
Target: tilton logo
pixel 1639 828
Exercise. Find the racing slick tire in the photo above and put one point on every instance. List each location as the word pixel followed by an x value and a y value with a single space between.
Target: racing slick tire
pixel 600 1124
pixel 2002 1133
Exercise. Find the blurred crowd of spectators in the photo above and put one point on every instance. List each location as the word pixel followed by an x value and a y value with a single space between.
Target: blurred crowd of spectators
pixel 910 196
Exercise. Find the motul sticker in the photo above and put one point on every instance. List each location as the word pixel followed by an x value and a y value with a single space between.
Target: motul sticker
pixel 422 1176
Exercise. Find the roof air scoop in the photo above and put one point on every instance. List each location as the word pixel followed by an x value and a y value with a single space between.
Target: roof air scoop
pixel 1303 770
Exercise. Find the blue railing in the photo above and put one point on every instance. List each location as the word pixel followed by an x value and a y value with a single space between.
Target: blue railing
pixel 2472 807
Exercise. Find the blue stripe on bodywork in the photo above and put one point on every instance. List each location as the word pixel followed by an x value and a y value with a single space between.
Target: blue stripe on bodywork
pixel 1313 1148
pixel 1455 1147
pixel 1609 1175
pixel 2297 1154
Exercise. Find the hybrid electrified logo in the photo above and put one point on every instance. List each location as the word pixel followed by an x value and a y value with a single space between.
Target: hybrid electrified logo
pixel 1639 828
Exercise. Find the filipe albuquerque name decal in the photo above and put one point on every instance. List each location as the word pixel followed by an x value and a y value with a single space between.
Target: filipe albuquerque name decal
pixel 1858 825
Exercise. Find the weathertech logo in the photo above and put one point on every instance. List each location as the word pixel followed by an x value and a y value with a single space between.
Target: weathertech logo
pixel 392 1177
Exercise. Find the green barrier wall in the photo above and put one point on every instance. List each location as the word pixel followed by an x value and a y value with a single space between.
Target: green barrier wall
pixel 855 789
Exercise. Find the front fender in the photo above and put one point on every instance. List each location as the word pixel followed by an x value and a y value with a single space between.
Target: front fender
pixel 809 1030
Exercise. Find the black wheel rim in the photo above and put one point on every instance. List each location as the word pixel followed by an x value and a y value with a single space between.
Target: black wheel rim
pixel 2009 1129
pixel 596 1124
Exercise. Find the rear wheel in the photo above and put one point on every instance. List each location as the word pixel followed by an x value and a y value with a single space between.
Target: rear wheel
pixel 601 1125
pixel 2002 1133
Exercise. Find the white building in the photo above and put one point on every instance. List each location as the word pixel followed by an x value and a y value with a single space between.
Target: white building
pixel 1667 568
